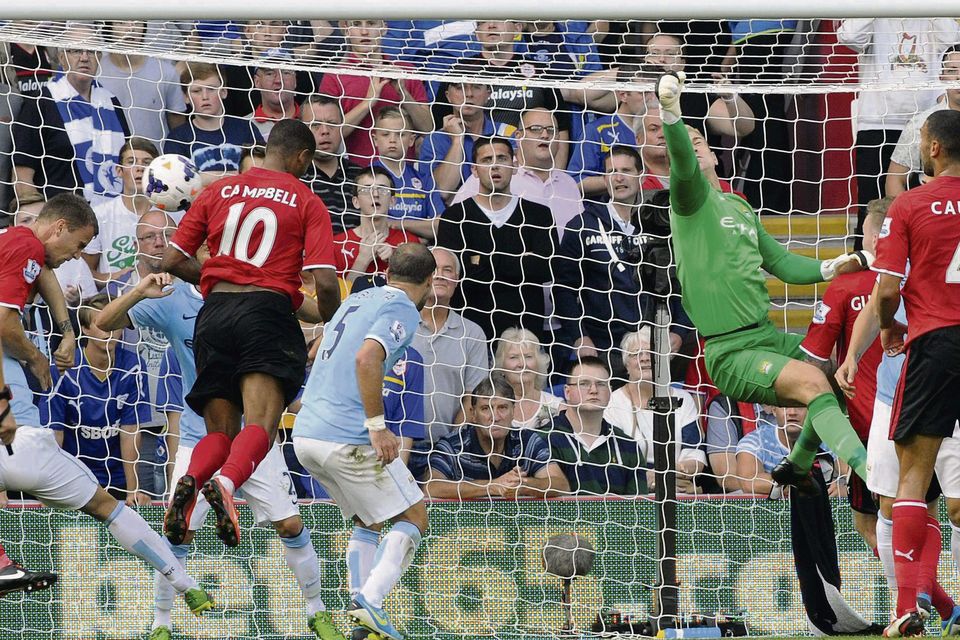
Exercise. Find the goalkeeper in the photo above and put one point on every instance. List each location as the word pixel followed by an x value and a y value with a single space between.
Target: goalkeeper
pixel 720 248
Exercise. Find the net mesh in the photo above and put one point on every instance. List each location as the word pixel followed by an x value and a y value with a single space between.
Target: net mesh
pixel 808 121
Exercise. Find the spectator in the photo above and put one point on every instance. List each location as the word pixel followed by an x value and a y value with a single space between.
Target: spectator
pixel 53 136
pixel 212 140
pixel 596 457
pixel 655 159
pixel 501 57
pixel 759 451
pixel 367 249
pixel 113 251
pixel 24 68
pixel 455 353
pixel 628 410
pixel 447 151
pixel 524 365
pixel 363 96
pixel 713 116
pixel 488 458
pixel 411 204
pixel 905 170
pixel 727 423
pixel 898 51
pixel 566 49
pixel 537 177
pixel 332 175
pixel 147 88
pixel 276 87
pixel 504 244
pixel 161 369
pixel 96 408
pixel 259 38
pixel 403 401
pixel 620 128
pixel 597 289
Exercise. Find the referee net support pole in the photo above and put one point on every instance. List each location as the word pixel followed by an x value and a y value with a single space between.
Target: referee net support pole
pixel 666 589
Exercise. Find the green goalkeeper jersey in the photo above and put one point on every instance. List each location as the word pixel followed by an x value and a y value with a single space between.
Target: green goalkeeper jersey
pixel 721 248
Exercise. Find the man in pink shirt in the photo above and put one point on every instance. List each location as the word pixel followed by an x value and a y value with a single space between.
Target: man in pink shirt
pixel 362 96
pixel 537 178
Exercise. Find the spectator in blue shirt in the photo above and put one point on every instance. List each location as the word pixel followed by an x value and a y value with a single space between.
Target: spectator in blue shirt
pixel 762 449
pixel 96 408
pixel 411 204
pixel 491 459
pixel 213 140
pixel 620 128
pixel 403 401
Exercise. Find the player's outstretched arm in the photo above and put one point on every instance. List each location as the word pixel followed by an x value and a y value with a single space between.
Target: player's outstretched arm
pixel 788 267
pixel 328 292
pixel 888 301
pixel 688 186
pixel 114 315
pixel 179 264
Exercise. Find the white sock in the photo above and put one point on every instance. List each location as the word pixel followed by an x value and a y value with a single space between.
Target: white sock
pixel 955 547
pixel 163 592
pixel 303 562
pixel 227 484
pixel 135 535
pixel 361 551
pixel 885 551
pixel 393 557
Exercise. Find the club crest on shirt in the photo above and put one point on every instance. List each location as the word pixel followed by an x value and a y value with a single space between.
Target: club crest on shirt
pixel 400 368
pixel 765 367
pixel 885 229
pixel 397 331
pixel 820 313
pixel 31 271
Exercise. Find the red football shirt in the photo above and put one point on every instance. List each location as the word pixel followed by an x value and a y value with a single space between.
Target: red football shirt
pixel 833 325
pixel 923 227
pixel 262 227
pixel 351 90
pixel 348 243
pixel 23 258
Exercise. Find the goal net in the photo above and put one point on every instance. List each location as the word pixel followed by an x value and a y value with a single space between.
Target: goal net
pixel 807 121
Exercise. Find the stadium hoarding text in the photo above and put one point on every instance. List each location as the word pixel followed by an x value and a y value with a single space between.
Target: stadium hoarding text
pixel 478 573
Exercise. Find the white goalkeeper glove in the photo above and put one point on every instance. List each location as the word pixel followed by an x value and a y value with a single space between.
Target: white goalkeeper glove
pixel 849 263
pixel 669 88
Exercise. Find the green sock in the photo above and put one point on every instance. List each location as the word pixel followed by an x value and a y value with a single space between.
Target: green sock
pixel 834 428
pixel 806 447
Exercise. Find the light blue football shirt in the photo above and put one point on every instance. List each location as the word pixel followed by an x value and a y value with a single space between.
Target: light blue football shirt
pixel 175 317
pixel 888 373
pixel 332 410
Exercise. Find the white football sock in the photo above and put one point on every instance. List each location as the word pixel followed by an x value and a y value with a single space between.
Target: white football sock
pixel 302 559
pixel 885 551
pixel 163 593
pixel 361 551
pixel 135 535
pixel 394 556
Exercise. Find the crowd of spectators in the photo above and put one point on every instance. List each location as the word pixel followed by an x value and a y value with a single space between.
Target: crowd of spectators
pixel 531 373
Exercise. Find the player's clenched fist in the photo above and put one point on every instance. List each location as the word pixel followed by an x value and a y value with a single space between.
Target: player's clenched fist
pixel 669 88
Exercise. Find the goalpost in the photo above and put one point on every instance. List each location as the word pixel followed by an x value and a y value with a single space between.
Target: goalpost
pixel 783 122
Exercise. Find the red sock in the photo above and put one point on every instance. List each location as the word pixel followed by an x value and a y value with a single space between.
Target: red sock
pixel 208 456
pixel 5 560
pixel 909 537
pixel 248 449
pixel 929 563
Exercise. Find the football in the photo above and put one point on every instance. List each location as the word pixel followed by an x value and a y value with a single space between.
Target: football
pixel 171 182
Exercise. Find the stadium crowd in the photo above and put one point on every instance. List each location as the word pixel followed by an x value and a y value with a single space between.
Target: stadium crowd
pixel 531 371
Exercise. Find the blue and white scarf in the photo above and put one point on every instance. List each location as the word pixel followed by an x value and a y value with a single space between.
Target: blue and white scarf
pixel 96 134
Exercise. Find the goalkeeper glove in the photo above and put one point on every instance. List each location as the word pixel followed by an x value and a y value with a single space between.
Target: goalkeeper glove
pixel 849 263
pixel 669 88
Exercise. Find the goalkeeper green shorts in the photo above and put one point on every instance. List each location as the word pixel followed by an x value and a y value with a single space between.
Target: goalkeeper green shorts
pixel 745 365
